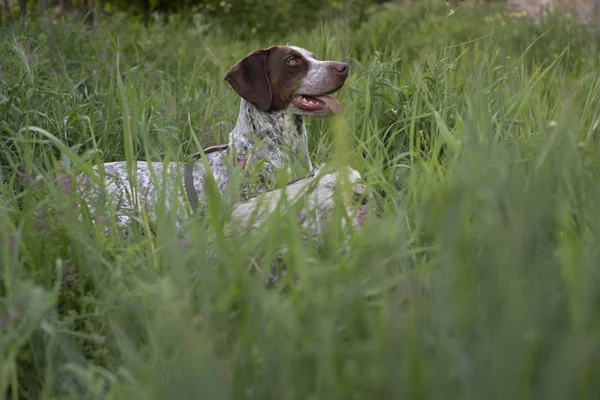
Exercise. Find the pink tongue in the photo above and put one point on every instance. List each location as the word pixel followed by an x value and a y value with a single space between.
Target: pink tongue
pixel 333 104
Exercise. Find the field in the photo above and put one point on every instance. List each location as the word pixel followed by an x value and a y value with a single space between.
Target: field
pixel 472 276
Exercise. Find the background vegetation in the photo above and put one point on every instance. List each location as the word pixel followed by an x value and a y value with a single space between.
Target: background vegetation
pixel 473 276
pixel 249 17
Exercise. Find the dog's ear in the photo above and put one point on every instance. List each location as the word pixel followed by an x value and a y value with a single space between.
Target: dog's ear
pixel 248 77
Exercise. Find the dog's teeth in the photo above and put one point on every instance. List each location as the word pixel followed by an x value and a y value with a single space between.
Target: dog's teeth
pixel 309 102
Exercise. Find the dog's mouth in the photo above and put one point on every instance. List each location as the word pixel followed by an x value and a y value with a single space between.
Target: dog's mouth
pixel 318 104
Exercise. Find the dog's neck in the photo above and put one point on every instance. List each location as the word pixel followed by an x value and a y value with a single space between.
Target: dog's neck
pixel 272 134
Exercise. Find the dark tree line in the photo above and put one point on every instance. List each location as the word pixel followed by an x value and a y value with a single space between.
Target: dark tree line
pixel 251 15
pixel 12 9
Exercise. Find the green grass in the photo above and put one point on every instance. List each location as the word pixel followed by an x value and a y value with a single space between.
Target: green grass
pixel 473 278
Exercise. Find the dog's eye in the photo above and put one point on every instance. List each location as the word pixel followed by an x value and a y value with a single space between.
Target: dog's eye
pixel 292 61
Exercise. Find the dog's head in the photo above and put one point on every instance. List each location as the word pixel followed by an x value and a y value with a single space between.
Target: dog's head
pixel 289 77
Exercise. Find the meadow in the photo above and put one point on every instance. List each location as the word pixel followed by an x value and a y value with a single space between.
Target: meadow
pixel 472 276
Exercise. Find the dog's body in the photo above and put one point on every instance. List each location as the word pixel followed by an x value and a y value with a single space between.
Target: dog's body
pixel 278 86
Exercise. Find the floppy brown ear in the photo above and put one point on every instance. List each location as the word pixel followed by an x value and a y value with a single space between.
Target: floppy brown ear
pixel 248 77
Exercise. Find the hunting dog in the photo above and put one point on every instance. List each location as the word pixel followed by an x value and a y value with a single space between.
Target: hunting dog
pixel 278 87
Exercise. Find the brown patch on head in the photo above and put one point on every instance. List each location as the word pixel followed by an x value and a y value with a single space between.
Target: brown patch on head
pixel 286 68
pixel 267 78
pixel 248 77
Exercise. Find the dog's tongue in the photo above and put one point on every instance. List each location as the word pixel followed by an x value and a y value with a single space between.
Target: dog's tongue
pixel 332 103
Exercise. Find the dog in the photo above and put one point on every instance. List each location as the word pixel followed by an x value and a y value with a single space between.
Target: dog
pixel 278 86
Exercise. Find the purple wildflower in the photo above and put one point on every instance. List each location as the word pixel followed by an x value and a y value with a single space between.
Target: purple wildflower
pixel 64 182
pixel 12 316
pixel 40 220
pixel 301 216
pixel 70 275
pixel 360 217
pixel 27 180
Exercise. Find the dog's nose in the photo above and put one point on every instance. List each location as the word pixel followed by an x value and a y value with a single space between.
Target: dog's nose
pixel 341 68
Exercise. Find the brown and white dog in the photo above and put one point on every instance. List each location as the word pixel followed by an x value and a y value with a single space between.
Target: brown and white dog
pixel 278 87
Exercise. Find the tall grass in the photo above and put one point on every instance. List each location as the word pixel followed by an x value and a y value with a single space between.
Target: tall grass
pixel 473 276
